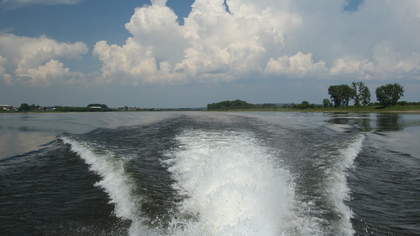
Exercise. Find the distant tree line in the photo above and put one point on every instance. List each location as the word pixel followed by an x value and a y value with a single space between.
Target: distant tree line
pixel 341 95
pixel 97 105
pixel 81 109
pixel 93 107
pixel 24 107
pixel 242 105
pixel 230 105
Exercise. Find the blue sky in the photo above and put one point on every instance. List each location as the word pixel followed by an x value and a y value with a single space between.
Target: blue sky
pixel 188 53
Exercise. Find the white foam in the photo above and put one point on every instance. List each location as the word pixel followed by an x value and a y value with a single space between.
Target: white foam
pixel 338 189
pixel 115 182
pixel 232 186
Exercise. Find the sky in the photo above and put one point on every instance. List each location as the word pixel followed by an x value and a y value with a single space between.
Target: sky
pixel 189 53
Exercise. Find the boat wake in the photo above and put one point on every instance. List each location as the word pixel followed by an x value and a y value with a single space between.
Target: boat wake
pixel 226 183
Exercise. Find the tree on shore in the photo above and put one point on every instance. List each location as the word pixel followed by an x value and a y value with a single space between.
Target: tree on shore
pixel 361 94
pixel 230 105
pixel 97 105
pixel 389 94
pixel 341 94
pixel 23 107
pixel 326 102
pixel 305 105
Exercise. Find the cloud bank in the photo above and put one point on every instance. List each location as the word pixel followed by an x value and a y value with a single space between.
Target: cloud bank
pixel 293 39
pixel 296 39
pixel 35 61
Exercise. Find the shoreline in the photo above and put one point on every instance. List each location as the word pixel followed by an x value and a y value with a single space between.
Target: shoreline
pixel 320 110
pixel 410 111
pixel 399 109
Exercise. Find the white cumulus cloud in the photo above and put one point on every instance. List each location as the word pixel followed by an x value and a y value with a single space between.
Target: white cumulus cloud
pixel 36 60
pixel 255 39
pixel 386 63
pixel 296 66
pixel 296 39
pixel 6 77
pixel 2 62
pixel 213 44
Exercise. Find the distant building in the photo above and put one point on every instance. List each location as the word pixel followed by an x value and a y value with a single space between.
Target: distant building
pixel 97 106
pixel 6 107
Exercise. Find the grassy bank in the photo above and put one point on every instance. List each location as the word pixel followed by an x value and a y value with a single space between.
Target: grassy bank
pixel 360 109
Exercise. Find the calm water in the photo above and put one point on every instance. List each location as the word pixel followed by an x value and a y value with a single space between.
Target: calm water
pixel 208 173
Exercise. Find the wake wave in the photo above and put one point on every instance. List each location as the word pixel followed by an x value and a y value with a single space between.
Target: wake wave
pixel 115 181
pixel 231 184
pixel 332 191
pixel 338 191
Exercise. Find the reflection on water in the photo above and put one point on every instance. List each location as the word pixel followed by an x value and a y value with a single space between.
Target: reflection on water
pixel 25 132
pixel 373 122
pixel 352 122
pixel 389 131
pixel 7 129
pixel 15 143
pixel 388 122
pixel 21 133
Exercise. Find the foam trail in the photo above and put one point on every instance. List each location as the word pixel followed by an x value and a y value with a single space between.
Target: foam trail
pixel 231 186
pixel 338 190
pixel 115 182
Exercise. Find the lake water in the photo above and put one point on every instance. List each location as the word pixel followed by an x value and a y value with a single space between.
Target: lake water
pixel 209 173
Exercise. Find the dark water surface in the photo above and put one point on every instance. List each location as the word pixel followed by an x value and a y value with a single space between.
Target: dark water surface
pixel 208 173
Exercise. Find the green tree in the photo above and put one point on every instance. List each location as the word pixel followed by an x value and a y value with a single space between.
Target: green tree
pixel 34 107
pixel 230 105
pixel 23 107
pixel 365 96
pixel 326 102
pixel 304 105
pixel 389 94
pixel 269 105
pixel 340 94
pixel 361 93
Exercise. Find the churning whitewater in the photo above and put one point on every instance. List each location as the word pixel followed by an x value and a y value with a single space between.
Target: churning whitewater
pixel 231 185
pixel 215 174
pixel 225 181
